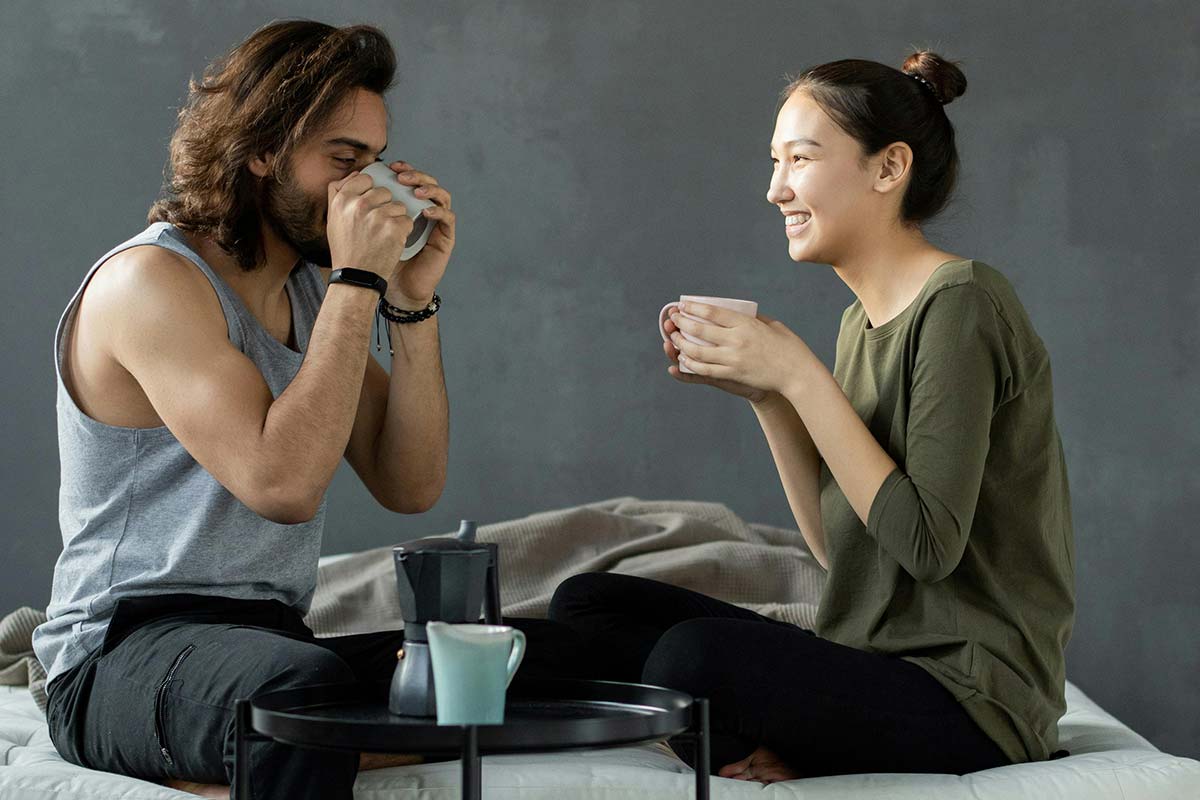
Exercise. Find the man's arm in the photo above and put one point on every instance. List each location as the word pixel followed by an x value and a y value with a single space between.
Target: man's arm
pixel 163 324
pixel 401 435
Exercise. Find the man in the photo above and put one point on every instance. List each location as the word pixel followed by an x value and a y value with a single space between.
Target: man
pixel 211 376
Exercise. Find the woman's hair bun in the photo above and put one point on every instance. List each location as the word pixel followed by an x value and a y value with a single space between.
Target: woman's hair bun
pixel 944 76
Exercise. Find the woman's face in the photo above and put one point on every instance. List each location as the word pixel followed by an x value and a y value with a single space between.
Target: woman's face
pixel 818 182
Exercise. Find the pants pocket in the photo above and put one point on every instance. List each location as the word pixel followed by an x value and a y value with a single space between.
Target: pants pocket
pixel 160 698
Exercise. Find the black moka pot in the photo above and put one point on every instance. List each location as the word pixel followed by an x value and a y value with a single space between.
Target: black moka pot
pixel 445 578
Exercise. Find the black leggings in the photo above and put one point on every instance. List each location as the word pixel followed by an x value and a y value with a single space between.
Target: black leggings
pixel 824 708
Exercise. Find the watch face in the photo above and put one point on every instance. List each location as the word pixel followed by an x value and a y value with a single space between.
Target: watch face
pixel 359 277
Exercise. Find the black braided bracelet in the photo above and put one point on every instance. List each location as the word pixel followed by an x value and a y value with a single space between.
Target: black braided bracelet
pixel 402 315
pixel 393 313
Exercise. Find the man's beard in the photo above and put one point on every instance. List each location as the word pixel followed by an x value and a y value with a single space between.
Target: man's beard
pixel 296 218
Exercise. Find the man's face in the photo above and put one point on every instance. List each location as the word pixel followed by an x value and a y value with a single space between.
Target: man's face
pixel 296 201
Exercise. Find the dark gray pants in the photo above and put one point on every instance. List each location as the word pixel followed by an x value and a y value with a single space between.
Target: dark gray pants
pixel 157 699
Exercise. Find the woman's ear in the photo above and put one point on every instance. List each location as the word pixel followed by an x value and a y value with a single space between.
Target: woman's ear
pixel 895 162
pixel 261 165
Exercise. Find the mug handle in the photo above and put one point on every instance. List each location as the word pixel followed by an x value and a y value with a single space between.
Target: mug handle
pixel 516 655
pixel 662 318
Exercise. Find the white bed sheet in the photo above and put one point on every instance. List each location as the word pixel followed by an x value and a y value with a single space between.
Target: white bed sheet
pixel 1108 761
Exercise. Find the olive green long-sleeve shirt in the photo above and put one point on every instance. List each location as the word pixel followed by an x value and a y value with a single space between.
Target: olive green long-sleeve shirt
pixel 965 565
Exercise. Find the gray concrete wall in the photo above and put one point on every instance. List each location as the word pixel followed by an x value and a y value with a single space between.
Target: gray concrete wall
pixel 606 156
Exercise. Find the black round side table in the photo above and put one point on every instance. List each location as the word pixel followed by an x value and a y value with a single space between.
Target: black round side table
pixel 539 715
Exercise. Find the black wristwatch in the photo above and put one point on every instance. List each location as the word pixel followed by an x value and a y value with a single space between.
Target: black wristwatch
pixel 359 277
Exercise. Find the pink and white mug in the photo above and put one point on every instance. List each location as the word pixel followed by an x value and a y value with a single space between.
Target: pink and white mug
pixel 747 307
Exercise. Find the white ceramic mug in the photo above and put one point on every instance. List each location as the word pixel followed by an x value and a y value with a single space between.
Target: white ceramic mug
pixel 747 307
pixel 382 175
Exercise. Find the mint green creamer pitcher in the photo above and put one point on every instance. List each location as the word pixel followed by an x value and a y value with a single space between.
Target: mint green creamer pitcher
pixel 472 668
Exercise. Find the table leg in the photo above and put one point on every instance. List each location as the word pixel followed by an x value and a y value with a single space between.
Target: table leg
pixel 241 752
pixel 700 725
pixel 472 769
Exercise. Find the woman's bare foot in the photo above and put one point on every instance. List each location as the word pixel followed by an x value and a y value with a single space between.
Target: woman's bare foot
pixel 762 765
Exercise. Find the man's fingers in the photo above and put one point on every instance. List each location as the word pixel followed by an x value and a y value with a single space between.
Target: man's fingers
pixel 336 186
pixel 353 184
pixel 444 217
pixel 412 177
pixel 435 194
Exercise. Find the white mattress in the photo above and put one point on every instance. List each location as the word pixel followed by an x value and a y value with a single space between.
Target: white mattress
pixel 1108 761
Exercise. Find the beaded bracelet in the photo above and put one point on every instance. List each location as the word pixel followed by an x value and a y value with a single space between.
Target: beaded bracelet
pixel 402 315
pixel 392 313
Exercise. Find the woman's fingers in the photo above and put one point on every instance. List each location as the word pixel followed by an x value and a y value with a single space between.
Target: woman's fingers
pixel 699 352
pixel 705 368
pixel 701 330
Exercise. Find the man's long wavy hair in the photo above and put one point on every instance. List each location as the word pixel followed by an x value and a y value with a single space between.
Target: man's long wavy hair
pixel 263 96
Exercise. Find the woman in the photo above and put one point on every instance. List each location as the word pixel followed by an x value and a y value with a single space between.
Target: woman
pixel 926 475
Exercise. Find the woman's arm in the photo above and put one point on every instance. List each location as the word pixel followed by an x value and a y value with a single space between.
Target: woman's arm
pixel 798 463
pixel 920 514
pixel 858 463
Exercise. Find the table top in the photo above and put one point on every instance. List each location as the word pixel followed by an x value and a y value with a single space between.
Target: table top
pixel 550 714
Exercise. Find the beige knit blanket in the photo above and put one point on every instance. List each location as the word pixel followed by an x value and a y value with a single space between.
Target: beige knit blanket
pixel 700 546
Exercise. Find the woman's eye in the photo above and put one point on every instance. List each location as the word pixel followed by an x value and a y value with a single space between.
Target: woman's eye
pixel 347 161
pixel 799 158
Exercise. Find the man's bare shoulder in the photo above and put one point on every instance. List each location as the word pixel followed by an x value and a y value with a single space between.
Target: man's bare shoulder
pixel 151 285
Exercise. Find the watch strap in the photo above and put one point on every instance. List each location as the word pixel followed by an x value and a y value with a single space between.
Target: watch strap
pixel 359 277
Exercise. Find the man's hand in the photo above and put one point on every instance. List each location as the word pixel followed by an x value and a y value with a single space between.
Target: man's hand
pixel 365 228
pixel 416 279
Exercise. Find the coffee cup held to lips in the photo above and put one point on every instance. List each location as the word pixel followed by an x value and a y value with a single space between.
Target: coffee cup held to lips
pixel 747 307
pixel 382 175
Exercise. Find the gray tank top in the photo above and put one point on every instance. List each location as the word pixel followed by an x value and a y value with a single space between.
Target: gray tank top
pixel 139 516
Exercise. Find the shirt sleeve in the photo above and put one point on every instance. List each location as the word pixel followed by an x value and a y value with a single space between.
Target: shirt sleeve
pixel 924 509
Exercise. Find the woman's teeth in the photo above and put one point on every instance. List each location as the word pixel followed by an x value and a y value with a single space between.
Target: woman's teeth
pixel 796 219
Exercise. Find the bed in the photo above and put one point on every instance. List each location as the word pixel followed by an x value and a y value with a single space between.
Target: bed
pixel 1108 760
pixel 682 542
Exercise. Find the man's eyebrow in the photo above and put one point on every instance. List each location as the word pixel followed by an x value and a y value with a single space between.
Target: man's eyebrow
pixel 356 144
pixel 801 140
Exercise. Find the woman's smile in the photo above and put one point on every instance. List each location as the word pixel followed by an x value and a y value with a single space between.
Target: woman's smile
pixel 796 224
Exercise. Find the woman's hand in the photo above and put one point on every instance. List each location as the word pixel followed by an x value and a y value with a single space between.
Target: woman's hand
pixel 759 353
pixel 733 387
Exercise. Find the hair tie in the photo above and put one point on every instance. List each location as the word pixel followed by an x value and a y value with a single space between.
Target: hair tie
pixel 928 86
